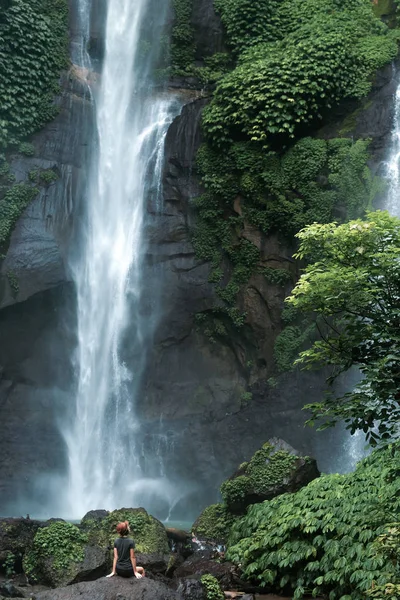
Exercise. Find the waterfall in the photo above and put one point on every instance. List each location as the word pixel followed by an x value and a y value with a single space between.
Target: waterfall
pixel 392 203
pixel 132 118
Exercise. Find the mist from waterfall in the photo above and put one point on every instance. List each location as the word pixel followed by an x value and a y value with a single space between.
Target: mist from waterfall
pixel 132 118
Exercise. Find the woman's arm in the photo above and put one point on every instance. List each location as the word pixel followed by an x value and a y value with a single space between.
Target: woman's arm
pixel 114 569
pixel 133 561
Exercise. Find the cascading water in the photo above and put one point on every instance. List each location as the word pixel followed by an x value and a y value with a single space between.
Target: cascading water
pixel 392 203
pixel 132 119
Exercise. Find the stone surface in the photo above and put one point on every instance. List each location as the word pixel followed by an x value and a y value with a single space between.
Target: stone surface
pixel 202 563
pixel 16 536
pixel 191 589
pixel 9 590
pixel 112 588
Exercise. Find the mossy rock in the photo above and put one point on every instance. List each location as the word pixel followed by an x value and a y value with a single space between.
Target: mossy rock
pixel 148 533
pixel 61 554
pixel 16 537
pixel 273 470
pixel 214 524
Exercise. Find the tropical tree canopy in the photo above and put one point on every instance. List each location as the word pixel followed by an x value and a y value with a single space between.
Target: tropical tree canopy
pixel 352 287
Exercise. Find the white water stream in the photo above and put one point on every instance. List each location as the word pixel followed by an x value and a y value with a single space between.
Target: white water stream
pixel 393 165
pixel 132 120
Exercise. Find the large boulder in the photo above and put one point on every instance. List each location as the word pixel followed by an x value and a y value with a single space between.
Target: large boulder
pixel 148 532
pixel 16 536
pixel 273 470
pixel 213 524
pixel 151 542
pixel 191 589
pixel 62 554
pixel 114 588
pixel 204 563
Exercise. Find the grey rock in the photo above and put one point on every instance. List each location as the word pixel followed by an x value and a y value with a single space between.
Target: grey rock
pixel 191 589
pixel 95 515
pixel 207 28
pixel 9 590
pixel 113 588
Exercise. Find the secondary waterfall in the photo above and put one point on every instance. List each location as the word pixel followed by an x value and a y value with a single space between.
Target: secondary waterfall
pixel 132 118
pixel 393 166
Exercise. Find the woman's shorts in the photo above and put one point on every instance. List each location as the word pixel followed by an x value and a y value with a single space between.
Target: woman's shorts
pixel 125 572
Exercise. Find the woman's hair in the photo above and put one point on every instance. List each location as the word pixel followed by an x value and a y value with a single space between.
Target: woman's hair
pixel 123 528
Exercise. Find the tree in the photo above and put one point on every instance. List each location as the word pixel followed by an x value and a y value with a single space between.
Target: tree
pixel 351 286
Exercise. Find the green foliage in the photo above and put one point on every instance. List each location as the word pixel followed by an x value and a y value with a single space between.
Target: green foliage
pixel 12 205
pixel 212 588
pixel 275 193
pixel 182 40
pixel 267 471
pixel 26 148
pixel 9 564
pixel 48 176
pixel 234 491
pixel 249 22
pixel 214 523
pixel 308 56
pixel 32 54
pixel 322 539
pixel 289 342
pixel 60 545
pixel 350 289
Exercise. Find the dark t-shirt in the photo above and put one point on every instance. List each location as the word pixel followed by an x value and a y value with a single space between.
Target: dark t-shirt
pixel 123 546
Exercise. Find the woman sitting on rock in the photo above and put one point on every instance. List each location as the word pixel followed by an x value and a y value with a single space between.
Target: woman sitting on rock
pixel 124 554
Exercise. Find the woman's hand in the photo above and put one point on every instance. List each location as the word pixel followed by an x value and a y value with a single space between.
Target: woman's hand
pixel 111 574
pixel 138 575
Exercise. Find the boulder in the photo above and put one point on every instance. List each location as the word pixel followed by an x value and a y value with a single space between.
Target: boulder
pixel 9 590
pixel 148 532
pixel 273 470
pixel 62 554
pixel 191 589
pixel 202 563
pixel 95 516
pixel 113 588
pixel 214 524
pixel 16 536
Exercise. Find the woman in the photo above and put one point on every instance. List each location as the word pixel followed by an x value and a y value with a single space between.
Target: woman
pixel 124 563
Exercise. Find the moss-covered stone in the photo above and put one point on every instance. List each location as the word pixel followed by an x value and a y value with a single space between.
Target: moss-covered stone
pixel 214 524
pixel 149 533
pixel 274 469
pixel 56 555
pixel 16 537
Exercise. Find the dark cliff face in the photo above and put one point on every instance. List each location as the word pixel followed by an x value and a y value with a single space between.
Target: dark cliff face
pixel 193 389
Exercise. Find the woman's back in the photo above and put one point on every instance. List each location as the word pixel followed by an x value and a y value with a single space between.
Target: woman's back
pixel 124 546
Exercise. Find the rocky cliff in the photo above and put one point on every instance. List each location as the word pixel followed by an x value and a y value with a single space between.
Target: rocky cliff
pixel 205 406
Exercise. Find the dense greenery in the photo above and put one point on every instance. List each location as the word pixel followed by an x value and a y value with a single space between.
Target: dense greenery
pixel 351 288
pixel 212 588
pixel 310 182
pixel 332 537
pixel 56 551
pixel 182 40
pixel 297 58
pixel 214 523
pixel 15 200
pixel 32 53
